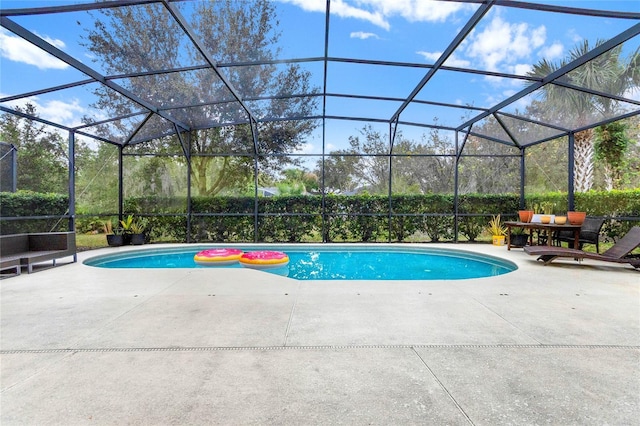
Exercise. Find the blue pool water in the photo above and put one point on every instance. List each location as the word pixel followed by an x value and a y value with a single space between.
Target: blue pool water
pixel 330 263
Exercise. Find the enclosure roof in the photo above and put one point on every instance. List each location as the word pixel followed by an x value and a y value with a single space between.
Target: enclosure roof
pixel 455 65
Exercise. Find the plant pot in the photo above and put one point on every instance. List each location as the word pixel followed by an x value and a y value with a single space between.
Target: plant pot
pixel 525 215
pixel 538 218
pixel 519 240
pixel 138 239
pixel 126 239
pixel 546 218
pixel 115 240
pixel 560 220
pixel 576 218
pixel 499 240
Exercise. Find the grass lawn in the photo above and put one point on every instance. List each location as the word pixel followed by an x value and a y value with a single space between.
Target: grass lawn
pixel 90 241
pixel 86 242
pixel 94 241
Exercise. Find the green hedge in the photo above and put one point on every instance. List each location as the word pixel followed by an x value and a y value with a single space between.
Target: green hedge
pixel 365 218
pixel 622 208
pixel 362 218
pixel 27 203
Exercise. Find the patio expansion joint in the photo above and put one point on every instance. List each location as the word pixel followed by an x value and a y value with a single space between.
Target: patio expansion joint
pixel 310 347
pixel 443 387
pixel 293 310
pixel 511 324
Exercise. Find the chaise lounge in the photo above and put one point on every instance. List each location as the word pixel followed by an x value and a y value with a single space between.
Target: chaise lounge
pixel 619 253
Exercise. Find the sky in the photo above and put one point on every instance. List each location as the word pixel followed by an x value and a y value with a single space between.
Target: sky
pixel 507 40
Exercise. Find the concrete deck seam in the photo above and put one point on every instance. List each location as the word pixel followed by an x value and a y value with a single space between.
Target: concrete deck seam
pixel 443 387
pixel 501 317
pixel 290 321
pixel 310 347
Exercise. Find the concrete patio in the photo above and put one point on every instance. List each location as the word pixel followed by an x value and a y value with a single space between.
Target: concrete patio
pixel 557 344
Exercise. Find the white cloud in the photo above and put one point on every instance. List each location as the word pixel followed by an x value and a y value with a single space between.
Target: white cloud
pixel 416 10
pixel 61 112
pixel 521 69
pixel 574 36
pixel 362 35
pixel 452 61
pixel 521 104
pixel 306 148
pixel 501 44
pixel 632 93
pixel 66 113
pixel 377 12
pixel 430 56
pixel 496 81
pixel 342 9
pixel 551 53
pixel 309 5
pixel 18 50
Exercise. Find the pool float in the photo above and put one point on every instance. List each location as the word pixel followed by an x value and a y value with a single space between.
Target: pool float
pixel 216 257
pixel 264 259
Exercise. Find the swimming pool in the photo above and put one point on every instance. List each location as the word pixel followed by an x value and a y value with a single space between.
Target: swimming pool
pixel 331 262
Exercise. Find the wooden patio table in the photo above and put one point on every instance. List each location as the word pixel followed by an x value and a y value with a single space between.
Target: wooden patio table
pixel 549 227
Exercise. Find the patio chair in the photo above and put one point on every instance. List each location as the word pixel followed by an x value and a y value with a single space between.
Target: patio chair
pixel 589 234
pixel 619 253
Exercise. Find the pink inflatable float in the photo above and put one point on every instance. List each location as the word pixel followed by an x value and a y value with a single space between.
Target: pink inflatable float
pixel 216 257
pixel 264 259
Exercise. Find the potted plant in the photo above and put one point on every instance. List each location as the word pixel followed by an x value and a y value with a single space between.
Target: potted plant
pixel 525 215
pixel 114 236
pixel 543 212
pixel 137 232
pixel 576 218
pixel 497 231
pixel 126 224
pixel 519 237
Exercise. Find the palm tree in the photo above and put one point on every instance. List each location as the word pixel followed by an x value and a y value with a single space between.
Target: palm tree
pixel 607 73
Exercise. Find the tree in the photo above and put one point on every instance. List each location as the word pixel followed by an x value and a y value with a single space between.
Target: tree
pixel 363 166
pixel 338 172
pixel 159 175
pixel 486 168
pixel 608 73
pixel 632 170
pixel 146 38
pixel 416 168
pixel 97 180
pixel 432 172
pixel 546 167
pixel 43 160
pixel 611 146
pixel 297 182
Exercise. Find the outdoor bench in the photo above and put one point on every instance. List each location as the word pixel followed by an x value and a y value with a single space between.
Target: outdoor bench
pixel 19 250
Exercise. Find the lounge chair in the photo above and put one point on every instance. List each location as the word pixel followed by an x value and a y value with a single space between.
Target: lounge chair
pixel 619 253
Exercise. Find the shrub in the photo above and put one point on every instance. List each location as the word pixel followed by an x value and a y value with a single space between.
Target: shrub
pixel 361 218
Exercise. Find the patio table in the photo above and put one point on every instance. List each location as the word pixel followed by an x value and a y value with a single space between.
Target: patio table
pixel 549 227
